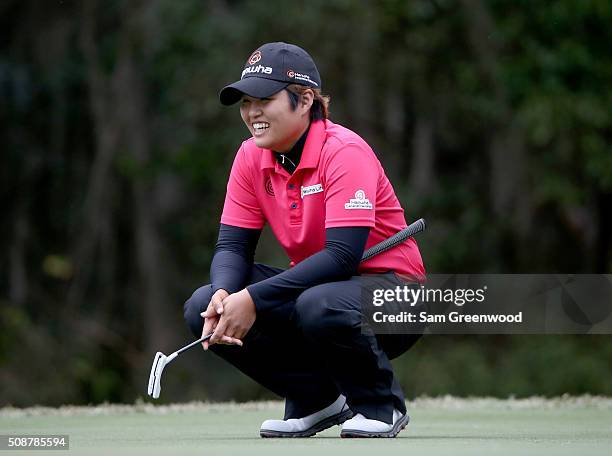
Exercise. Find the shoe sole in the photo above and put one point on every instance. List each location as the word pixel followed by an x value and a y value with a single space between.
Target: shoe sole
pixel 356 433
pixel 328 422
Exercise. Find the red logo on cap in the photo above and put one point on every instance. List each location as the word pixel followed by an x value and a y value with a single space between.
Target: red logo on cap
pixel 291 73
pixel 255 57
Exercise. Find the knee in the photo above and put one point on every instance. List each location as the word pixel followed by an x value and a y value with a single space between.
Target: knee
pixel 315 312
pixel 196 304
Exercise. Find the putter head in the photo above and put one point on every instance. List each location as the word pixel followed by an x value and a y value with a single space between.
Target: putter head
pixel 159 362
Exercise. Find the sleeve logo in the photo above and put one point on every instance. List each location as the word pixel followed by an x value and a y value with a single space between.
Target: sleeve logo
pixel 359 202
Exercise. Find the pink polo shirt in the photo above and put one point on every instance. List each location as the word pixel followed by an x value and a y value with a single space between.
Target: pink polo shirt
pixel 339 182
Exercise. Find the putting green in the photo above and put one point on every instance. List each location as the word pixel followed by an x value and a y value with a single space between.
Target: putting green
pixel 438 426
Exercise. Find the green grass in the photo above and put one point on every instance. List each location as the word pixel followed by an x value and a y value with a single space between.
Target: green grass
pixel 565 426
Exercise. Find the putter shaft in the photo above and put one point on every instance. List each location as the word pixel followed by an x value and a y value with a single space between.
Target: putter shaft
pixel 193 344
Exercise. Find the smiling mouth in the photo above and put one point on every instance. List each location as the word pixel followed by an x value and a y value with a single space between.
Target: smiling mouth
pixel 260 127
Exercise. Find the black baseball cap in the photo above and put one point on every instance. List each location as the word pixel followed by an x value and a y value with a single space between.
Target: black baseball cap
pixel 271 68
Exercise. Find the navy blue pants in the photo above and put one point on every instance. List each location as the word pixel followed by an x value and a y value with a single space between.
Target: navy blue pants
pixel 312 349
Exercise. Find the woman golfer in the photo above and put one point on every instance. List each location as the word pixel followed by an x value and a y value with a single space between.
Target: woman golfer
pixel 320 187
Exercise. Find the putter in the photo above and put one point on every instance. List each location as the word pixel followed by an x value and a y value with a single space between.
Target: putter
pixel 160 361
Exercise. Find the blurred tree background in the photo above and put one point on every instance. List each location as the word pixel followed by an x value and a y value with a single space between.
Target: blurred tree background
pixel 492 118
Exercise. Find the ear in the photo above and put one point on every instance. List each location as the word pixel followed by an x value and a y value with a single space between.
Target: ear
pixel 306 100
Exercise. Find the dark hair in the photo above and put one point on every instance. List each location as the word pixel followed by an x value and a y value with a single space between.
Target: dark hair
pixel 320 105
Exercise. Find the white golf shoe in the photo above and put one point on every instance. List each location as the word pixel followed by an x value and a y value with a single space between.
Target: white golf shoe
pixel 360 426
pixel 336 413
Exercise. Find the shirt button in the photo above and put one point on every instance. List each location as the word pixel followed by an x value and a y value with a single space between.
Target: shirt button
pixel 291 186
pixel 294 206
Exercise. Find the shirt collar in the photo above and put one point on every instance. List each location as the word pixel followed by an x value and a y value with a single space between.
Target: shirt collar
pixel 310 153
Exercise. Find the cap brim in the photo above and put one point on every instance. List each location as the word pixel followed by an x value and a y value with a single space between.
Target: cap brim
pixel 253 86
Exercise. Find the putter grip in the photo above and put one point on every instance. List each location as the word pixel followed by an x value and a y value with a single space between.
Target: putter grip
pixel 397 238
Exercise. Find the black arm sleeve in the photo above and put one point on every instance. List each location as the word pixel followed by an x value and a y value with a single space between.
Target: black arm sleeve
pixel 233 258
pixel 337 261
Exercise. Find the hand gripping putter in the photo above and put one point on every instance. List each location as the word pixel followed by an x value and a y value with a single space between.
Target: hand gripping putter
pixel 161 361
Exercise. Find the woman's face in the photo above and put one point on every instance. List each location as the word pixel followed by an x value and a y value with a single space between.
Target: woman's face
pixel 272 122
